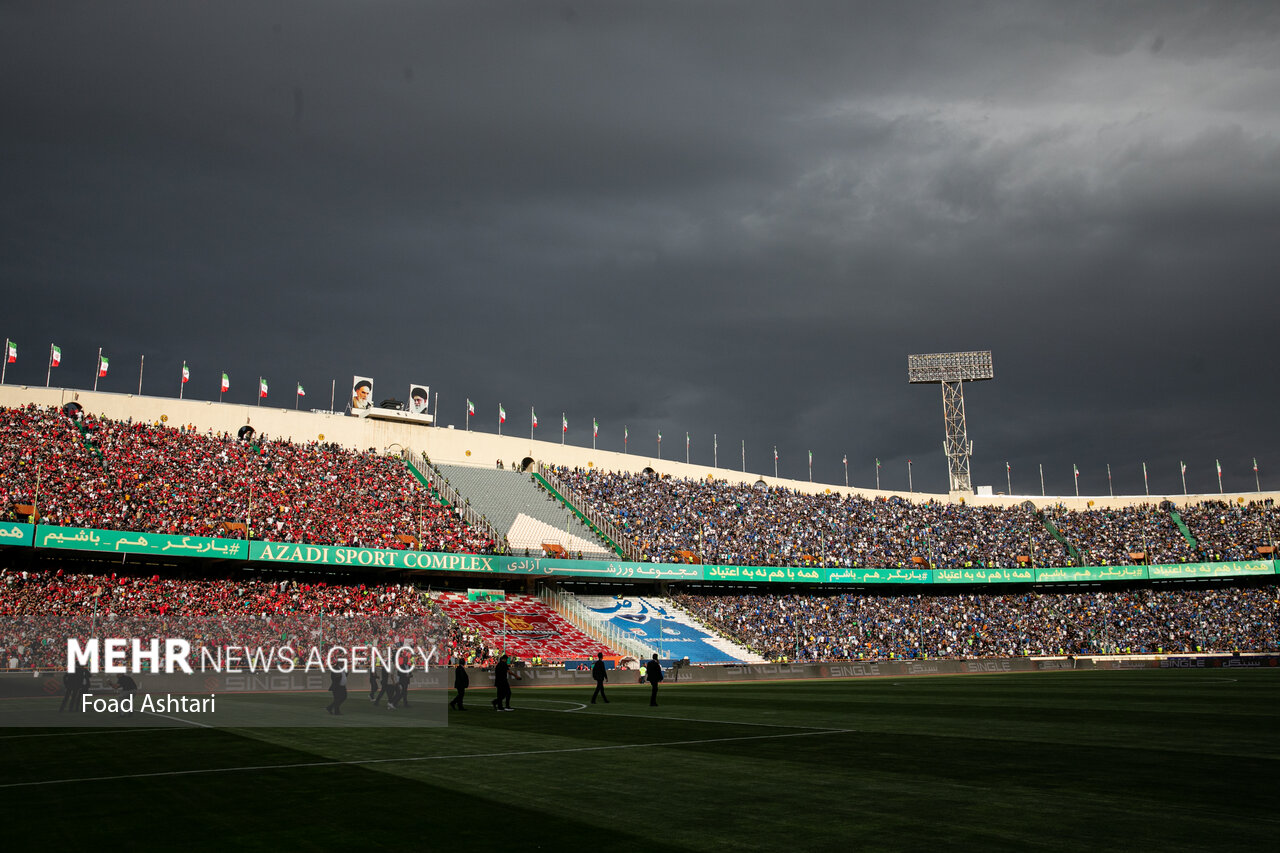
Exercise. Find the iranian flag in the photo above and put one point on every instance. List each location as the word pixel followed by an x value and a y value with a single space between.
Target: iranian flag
pixel 186 374
pixel 103 363
pixel 471 407
pixel 595 429
pixel 1219 464
pixel 534 415
pixel 226 382
pixel 262 387
pixel 301 392
pixel 502 414
pixel 55 356
pixel 1076 471
pixel 564 424
pixel 12 352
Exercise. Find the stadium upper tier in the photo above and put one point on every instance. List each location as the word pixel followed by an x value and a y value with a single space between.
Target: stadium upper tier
pixel 714 521
pixel 663 507
pixel 119 475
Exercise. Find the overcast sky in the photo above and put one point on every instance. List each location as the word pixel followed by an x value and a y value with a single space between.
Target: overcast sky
pixel 720 218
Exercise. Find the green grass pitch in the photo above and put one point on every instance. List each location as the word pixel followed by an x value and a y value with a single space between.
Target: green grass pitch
pixel 1098 760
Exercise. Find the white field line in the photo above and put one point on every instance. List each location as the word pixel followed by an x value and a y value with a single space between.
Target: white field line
pixel 365 762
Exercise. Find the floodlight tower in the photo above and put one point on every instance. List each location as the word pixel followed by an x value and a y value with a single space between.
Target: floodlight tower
pixel 951 370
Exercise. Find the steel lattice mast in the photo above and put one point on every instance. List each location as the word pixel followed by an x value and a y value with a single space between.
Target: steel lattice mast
pixel 951 370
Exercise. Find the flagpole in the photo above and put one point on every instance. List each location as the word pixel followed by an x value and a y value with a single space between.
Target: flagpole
pixel 499 419
pixel 715 450
pixel 1256 483
pixel 775 462
pixel 333 391
pixel 1183 466
pixel 659 445
pixel 1075 475
pixel 1041 479
pixel 1008 476
pixel 1218 462
pixel 846 470
pixel 910 486
pixel 877 473
pixel 182 384
pixel 532 416
pixel 435 416
pixel 468 414
pixel 141 365
pixel 564 428
pixel 97 369
pixel 1109 487
pixel 4 365
pixel 296 397
pixel 686 448
pixel 259 392
pixel 49 373
pixel 1145 484
pixel 625 433
pixel 744 456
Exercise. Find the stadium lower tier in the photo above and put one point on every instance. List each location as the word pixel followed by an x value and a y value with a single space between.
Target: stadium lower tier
pixel 1140 620
pixel 40 609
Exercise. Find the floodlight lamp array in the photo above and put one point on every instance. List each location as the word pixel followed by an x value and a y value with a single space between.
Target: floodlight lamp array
pixel 950 367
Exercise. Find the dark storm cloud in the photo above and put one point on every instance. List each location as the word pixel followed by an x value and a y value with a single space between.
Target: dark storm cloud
pixel 730 219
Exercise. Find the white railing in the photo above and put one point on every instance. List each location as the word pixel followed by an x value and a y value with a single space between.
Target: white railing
pixel 586 621
pixel 454 498
pixel 600 520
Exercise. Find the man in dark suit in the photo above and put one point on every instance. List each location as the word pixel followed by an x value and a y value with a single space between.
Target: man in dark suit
pixel 500 675
pixel 653 673
pixel 460 683
pixel 601 675
pixel 128 689
pixel 338 687
pixel 402 687
pixel 70 692
pixel 388 688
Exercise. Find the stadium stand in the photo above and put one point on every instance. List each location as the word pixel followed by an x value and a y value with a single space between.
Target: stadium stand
pixel 738 524
pixel 522 625
pixel 883 627
pixel 123 475
pixel 40 609
pixel 668 628
pixel 528 516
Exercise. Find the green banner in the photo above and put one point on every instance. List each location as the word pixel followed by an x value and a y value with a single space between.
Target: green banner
pixel 121 542
pixel 14 533
pixel 1091 573
pixel 974 575
pixel 124 542
pixel 1213 570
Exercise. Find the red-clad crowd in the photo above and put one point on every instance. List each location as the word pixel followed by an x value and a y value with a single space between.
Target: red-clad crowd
pixel 125 475
pixel 40 610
